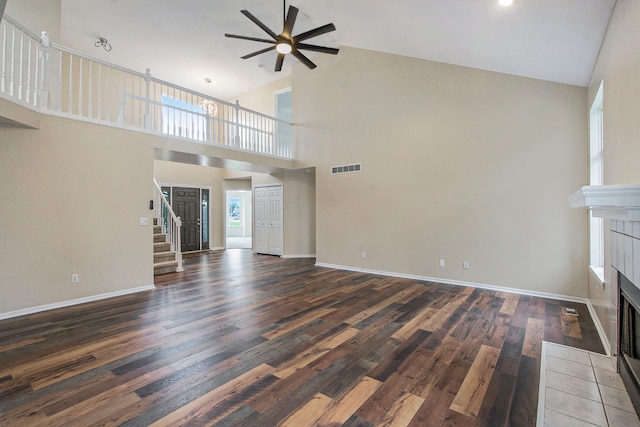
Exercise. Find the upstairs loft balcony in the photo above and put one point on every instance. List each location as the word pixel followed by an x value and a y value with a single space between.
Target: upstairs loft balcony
pixel 51 79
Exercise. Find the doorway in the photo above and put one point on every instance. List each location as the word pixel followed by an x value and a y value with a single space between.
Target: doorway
pixel 191 205
pixel 238 221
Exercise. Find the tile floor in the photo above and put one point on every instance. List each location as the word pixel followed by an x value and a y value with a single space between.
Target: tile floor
pixel 238 242
pixel 581 388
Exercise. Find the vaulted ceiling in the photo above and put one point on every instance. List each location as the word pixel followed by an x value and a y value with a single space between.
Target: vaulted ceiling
pixel 183 41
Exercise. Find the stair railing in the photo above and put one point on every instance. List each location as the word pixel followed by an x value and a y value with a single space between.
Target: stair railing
pixel 170 223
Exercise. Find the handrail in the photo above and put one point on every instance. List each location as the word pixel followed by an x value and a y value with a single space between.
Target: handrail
pixel 58 80
pixel 171 223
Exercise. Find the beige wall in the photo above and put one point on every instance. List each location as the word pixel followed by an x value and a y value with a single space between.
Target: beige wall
pixel 618 67
pixel 299 212
pixel 457 164
pixel 262 98
pixel 73 195
pixel 37 16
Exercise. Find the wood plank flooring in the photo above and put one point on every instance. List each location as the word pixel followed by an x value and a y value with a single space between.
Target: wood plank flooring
pixel 253 340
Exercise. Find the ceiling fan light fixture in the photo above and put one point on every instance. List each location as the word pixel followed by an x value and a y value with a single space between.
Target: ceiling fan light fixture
pixel 284 48
pixel 505 2
pixel 284 43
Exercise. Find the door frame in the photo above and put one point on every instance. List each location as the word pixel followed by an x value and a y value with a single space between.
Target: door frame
pixel 225 215
pixel 200 188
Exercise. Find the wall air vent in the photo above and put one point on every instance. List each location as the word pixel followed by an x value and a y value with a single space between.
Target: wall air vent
pixel 356 167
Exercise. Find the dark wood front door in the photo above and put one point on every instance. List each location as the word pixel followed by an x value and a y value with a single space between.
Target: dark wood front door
pixel 186 205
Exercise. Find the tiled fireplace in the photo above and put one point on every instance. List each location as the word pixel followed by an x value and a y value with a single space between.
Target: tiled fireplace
pixel 620 204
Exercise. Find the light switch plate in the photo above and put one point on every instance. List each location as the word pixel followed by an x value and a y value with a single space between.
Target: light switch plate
pixel 144 221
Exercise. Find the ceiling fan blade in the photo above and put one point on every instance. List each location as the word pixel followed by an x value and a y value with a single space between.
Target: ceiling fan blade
pixel 279 62
pixel 315 32
pixel 251 55
pixel 259 23
pixel 254 39
pixel 303 59
pixel 292 13
pixel 323 49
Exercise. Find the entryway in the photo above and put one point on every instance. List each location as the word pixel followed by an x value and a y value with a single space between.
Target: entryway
pixel 238 219
pixel 191 204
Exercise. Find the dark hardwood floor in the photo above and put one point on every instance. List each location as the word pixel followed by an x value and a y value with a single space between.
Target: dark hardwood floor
pixel 253 340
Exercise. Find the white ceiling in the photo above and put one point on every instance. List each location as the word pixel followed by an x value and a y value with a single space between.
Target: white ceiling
pixel 183 41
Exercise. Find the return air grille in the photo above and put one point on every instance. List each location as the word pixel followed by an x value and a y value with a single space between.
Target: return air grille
pixel 346 169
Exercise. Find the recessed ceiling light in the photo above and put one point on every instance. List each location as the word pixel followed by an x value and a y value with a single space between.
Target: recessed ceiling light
pixel 505 2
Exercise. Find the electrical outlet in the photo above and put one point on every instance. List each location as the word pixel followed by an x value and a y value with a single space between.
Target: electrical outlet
pixel 465 264
pixel 75 278
pixel 442 263
pixel 364 255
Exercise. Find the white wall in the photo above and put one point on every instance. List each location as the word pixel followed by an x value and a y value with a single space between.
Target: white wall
pixel 72 198
pixel 618 66
pixel 457 164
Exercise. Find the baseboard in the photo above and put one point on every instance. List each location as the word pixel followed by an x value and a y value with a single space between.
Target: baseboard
pixel 460 283
pixel 599 328
pixel 62 304
pixel 299 256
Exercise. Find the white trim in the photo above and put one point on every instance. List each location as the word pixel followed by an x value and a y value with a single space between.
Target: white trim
pixel 619 202
pixel 599 328
pixel 299 256
pixel 62 304
pixel 586 301
pixel 596 275
pixel 460 283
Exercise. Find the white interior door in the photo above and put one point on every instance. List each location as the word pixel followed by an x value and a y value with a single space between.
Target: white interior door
pixel 260 220
pixel 267 203
pixel 274 239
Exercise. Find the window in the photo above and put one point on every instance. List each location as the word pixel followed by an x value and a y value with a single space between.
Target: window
pixel 180 118
pixel 596 139
pixel 283 110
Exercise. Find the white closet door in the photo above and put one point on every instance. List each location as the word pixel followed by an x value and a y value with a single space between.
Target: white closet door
pixel 260 220
pixel 275 221
pixel 268 220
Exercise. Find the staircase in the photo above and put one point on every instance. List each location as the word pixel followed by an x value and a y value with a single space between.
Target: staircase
pixel 164 259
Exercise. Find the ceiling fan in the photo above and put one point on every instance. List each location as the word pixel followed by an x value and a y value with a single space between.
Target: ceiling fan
pixel 286 42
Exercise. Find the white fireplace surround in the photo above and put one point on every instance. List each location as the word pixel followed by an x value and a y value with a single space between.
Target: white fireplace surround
pixel 620 204
pixel 617 202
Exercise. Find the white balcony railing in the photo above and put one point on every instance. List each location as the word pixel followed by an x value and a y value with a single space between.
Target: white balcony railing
pixel 55 79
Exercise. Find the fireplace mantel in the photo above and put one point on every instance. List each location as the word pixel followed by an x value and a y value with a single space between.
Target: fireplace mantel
pixel 616 202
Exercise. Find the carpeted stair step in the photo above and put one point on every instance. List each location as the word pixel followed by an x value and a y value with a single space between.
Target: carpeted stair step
pixel 161 247
pixel 164 256
pixel 165 267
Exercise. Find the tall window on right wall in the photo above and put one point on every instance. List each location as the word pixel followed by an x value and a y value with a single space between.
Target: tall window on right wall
pixel 596 144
